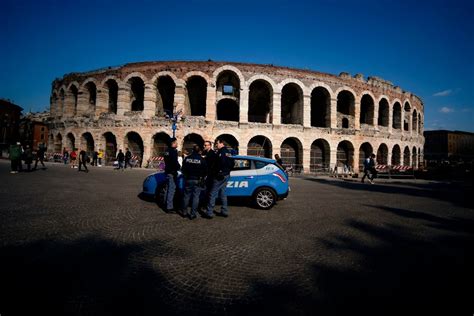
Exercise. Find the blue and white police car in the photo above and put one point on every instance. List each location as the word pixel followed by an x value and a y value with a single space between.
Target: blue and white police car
pixel 260 179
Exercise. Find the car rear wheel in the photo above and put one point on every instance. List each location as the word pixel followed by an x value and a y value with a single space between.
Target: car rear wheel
pixel 265 198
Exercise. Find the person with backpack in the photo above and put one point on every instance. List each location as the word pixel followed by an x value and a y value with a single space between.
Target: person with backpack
pixel 128 157
pixel 221 172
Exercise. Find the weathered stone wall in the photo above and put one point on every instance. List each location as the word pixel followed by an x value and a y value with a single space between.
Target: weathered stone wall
pixel 81 116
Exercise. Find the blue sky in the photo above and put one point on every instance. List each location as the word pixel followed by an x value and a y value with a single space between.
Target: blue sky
pixel 424 47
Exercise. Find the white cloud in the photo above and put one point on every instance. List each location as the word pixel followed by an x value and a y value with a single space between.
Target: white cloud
pixel 443 93
pixel 446 109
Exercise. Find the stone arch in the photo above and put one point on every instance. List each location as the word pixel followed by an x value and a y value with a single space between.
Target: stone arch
pixel 230 141
pixel 382 154
pixel 112 94
pixel 109 146
pixel 345 154
pixel 87 143
pixel 137 93
pixel 384 112
pixel 198 74
pixel 297 82
pixel 419 124
pixel 73 83
pixel 218 71
pixel 346 108
pixel 196 95
pixel 406 115
pixel 367 108
pixel 406 156
pixel 165 87
pixel 70 141
pixel 292 103
pixel 414 157
pixel 365 150
pixel 397 115
pixel 58 143
pixel 90 90
pixel 134 142
pixel 260 146
pixel 227 110
pixel 320 107
pixel 291 152
pixel 135 74
pixel 190 140
pixel 322 85
pixel 269 80
pixel 260 101
pixel 72 98
pixel 320 155
pixel 396 155
pixel 414 123
pixel 160 143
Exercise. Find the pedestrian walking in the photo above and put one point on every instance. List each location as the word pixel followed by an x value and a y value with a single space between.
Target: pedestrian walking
pixel 83 160
pixel 94 158
pixel 221 171
pixel 369 169
pixel 65 155
pixel 279 160
pixel 100 155
pixel 171 170
pixel 194 171
pixel 128 157
pixel 73 158
pixel 120 160
pixel 210 156
pixel 40 156
pixel 15 157
pixel 28 154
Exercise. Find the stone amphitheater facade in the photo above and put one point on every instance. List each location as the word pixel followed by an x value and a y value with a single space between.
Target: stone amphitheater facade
pixel 314 120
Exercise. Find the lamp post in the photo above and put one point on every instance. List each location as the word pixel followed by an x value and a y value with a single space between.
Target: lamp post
pixel 174 118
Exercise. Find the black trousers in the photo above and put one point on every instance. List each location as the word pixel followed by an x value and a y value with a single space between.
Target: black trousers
pixel 83 163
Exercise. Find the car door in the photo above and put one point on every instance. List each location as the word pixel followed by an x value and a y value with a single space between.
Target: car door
pixel 242 178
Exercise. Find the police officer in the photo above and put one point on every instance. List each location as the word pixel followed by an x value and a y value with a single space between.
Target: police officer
pixel 210 156
pixel 171 170
pixel 221 172
pixel 194 171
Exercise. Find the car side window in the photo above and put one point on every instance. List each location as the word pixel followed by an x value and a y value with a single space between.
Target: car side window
pixel 242 164
pixel 260 164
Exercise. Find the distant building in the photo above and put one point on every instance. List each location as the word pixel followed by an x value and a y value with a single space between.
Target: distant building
pixel 9 122
pixel 34 129
pixel 449 145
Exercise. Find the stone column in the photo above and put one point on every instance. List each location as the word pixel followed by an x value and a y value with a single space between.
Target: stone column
pixel 276 111
pixel 376 115
pixel 102 101
pixel 82 102
pixel 390 118
pixel 149 101
pixel 333 113
pixel 356 160
pixel 179 96
pixel 211 103
pixel 389 156
pixel 333 156
pixel 123 99
pixel 147 152
pixel 244 105
pixel 307 112
pixel 306 160
pixel 410 123
pixel 357 114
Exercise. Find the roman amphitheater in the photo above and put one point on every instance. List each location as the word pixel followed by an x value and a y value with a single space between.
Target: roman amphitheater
pixel 313 120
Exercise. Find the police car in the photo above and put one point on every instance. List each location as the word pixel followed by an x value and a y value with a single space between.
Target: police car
pixel 260 179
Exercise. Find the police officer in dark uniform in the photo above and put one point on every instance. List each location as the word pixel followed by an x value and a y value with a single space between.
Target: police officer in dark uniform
pixel 210 156
pixel 221 172
pixel 171 170
pixel 194 171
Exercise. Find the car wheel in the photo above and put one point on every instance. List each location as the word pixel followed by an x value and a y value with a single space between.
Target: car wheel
pixel 160 195
pixel 265 198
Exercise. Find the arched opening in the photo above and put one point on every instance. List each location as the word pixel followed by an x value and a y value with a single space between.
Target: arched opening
pixel 419 124
pixel 319 156
pixel 190 141
pixel 196 87
pixel 260 101
pixel 396 155
pixel 134 142
pixel 87 144
pixel 58 143
pixel 73 93
pixel 137 93
pixel 165 89
pixel 320 107
pixel 109 147
pixel 228 110
pixel 419 157
pixel 406 156
pixel 61 102
pixel 112 88
pixel 365 151
pixel 292 104
pixel 407 116
pixel 345 154
pixel 91 91
pixel 345 109
pixel 291 152
pixel 70 142
pixel 382 155
pixel 415 121
pixel 259 146
pixel 414 158
pixel 397 116
pixel 230 141
pixel 367 110
pixel 228 85
pixel 383 113
pixel 160 144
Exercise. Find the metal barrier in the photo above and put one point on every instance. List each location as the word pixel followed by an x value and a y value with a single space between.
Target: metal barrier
pixel 156 163
pixel 293 169
pixel 395 171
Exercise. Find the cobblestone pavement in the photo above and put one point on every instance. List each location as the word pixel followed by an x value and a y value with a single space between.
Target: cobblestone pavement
pixel 85 244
